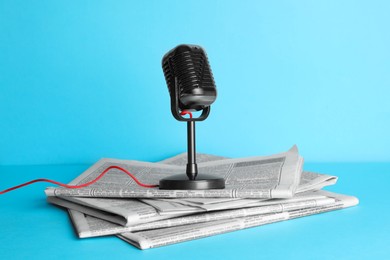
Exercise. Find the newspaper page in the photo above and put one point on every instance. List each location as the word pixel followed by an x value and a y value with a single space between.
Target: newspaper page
pixel 120 211
pixel 309 181
pixel 124 212
pixel 167 207
pixel 88 226
pixel 128 214
pixel 94 228
pixel 275 176
pixel 166 236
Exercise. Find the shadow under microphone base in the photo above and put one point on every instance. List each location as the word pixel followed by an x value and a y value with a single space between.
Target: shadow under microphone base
pixel 201 182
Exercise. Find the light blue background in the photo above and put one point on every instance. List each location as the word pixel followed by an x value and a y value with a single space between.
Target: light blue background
pixel 81 80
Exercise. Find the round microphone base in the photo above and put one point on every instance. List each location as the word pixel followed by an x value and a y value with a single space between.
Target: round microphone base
pixel 202 182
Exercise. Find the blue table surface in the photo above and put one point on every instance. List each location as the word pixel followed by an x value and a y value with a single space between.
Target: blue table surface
pixel 32 228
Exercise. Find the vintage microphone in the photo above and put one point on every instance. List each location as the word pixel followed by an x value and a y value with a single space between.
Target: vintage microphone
pixel 191 88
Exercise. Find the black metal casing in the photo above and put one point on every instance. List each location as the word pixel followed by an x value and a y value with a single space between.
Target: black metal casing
pixel 190 80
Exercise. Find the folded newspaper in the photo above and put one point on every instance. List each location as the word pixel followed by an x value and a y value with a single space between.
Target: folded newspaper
pixel 165 236
pixel 129 212
pixel 155 220
pixel 89 224
pixel 275 176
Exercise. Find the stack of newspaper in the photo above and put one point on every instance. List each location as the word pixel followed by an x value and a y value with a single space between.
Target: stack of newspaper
pixel 259 190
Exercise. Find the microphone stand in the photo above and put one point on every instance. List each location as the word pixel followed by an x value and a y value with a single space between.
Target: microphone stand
pixel 192 167
pixel 192 180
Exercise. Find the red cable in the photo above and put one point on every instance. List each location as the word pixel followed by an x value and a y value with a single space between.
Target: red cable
pixel 81 185
pixel 184 112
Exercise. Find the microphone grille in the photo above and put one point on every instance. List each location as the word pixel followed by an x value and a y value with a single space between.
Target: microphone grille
pixel 189 64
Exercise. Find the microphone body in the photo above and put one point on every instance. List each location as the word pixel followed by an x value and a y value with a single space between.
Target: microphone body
pixel 192 88
pixel 189 77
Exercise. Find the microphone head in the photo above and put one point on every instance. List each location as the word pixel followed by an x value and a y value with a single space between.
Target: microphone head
pixel 188 67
